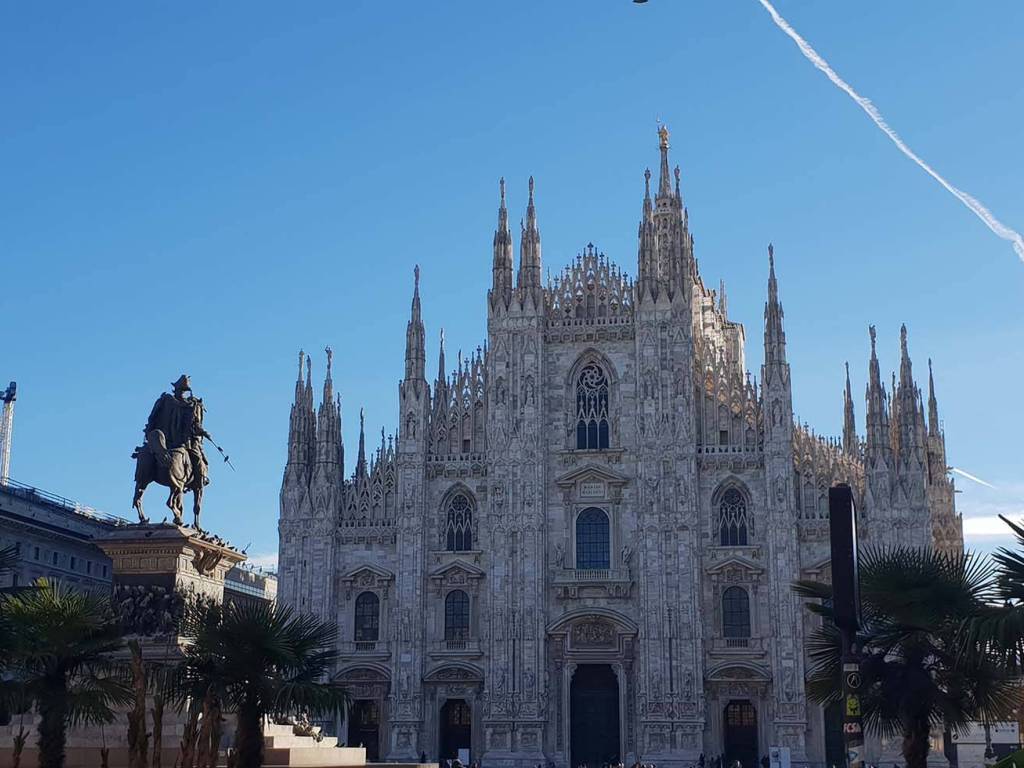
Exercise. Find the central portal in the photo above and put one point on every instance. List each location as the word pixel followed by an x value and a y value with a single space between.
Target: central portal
pixel 594 716
pixel 456 729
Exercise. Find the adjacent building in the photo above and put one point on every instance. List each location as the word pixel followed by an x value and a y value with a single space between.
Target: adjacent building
pixel 579 545
pixel 55 538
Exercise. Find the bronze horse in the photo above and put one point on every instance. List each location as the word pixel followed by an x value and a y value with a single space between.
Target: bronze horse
pixel 171 468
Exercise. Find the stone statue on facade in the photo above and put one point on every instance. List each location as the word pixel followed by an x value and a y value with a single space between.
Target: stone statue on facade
pixel 172 454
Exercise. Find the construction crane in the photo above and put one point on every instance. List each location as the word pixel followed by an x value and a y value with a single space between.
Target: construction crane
pixel 7 397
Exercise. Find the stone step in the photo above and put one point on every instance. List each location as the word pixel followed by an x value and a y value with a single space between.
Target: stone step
pixel 291 741
pixel 279 729
pixel 315 757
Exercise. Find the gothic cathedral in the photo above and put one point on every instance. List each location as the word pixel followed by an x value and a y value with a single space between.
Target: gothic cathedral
pixel 580 544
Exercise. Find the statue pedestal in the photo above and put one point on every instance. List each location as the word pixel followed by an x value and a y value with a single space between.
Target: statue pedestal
pixel 164 555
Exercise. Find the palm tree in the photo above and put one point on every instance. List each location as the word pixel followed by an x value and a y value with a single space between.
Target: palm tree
pixel 918 670
pixel 60 656
pixel 258 660
pixel 1002 625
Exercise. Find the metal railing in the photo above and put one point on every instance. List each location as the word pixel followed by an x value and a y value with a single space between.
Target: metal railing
pixel 29 493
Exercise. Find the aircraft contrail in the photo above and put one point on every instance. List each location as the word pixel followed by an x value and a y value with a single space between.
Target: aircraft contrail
pixel 974 205
pixel 969 476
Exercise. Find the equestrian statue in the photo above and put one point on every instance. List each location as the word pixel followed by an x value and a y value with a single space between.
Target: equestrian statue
pixel 172 454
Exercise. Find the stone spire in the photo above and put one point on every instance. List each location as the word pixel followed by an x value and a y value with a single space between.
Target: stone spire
pixel 850 443
pixel 529 249
pixel 300 424
pixel 877 442
pixel 326 480
pixel 933 405
pixel 776 387
pixel 310 409
pixel 723 305
pixel 501 284
pixel 442 372
pixel 774 334
pixel 415 352
pixel 908 427
pixel 361 456
pixel 329 423
pixel 665 179
pixel 647 251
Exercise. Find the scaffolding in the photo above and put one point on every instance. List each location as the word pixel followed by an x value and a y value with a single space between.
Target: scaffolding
pixel 8 397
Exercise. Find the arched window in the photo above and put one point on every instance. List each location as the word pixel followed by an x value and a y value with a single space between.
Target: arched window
pixel 367 618
pixel 732 519
pixel 456 617
pixel 592 408
pixel 735 613
pixel 593 546
pixel 458 529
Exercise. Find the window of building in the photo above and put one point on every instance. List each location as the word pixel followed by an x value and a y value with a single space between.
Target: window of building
pixel 456 617
pixel 35 553
pixel 458 531
pixel 367 617
pixel 104 571
pixel 593 544
pixel 88 567
pixel 723 437
pixel 735 613
pixel 74 562
pixel 732 519
pixel 54 558
pixel 592 408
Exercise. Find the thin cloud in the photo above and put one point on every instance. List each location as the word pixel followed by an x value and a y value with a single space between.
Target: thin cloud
pixel 988 525
pixel 979 210
pixel 974 478
pixel 268 560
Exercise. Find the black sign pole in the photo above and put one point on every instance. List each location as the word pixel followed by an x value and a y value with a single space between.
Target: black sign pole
pixel 842 519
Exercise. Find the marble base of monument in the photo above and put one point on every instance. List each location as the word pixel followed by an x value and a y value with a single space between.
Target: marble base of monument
pixel 173 557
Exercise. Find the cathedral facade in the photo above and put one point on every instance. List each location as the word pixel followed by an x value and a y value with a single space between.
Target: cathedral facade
pixel 579 545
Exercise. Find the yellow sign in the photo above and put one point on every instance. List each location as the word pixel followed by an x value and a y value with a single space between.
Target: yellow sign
pixel 853 706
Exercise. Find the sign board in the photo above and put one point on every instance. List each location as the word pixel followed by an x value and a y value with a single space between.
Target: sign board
pixel 842 524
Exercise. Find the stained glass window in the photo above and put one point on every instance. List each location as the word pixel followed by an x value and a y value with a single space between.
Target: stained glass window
pixel 732 519
pixel 459 524
pixel 735 612
pixel 592 408
pixel 367 617
pixel 592 540
pixel 456 616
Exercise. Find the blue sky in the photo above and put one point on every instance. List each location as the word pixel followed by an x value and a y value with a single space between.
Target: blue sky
pixel 209 187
